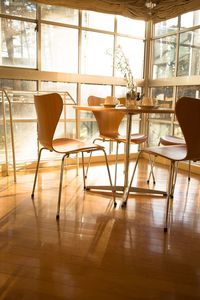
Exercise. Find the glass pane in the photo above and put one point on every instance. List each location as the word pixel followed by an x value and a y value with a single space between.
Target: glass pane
pixel 25 141
pixel 21 109
pixel 163 95
pixel 189 52
pixel 165 98
pixel 65 130
pixel 190 19
pixel 134 52
pixel 18 85
pixel 120 91
pixel 188 91
pixel 129 26
pixel 22 105
pixel 59 49
pixel 88 130
pixel 18 43
pixel 20 8
pixel 88 126
pixel 95 90
pixel 98 20
pixel 156 130
pixel 53 86
pixel 62 88
pixel 95 58
pixel 177 131
pixel 164 56
pixel 59 14
pixel 166 27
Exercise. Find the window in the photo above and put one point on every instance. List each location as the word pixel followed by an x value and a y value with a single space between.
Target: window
pixel 72 51
pixel 189 53
pixel 166 27
pixel 59 49
pixel 18 43
pixel 19 8
pixel 134 51
pixel 164 57
pixel 190 19
pixel 96 20
pixel 59 14
pixel 95 58
pixel 131 27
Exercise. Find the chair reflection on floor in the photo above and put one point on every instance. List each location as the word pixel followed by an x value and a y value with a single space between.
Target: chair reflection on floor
pixel 48 110
pixel 188 115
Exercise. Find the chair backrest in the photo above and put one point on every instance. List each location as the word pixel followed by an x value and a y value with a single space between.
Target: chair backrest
pixel 95 101
pixel 108 121
pixel 188 115
pixel 48 109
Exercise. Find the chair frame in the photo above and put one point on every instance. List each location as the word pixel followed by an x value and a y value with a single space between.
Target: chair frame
pixel 108 124
pixel 46 131
pixel 188 112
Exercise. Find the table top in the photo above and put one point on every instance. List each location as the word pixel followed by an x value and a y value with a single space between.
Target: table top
pixel 128 110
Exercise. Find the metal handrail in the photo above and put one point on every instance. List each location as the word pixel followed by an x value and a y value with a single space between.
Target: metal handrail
pixel 4 93
pixel 5 96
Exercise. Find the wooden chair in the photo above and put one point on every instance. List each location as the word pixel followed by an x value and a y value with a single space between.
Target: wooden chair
pixel 188 115
pixel 169 140
pixel 108 124
pixel 48 110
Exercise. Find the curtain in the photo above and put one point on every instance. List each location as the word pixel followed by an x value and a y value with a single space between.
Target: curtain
pixel 136 9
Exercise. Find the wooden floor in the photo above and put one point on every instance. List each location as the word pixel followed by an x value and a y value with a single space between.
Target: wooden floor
pixel 96 251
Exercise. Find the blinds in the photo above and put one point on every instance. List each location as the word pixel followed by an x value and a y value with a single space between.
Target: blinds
pixel 156 10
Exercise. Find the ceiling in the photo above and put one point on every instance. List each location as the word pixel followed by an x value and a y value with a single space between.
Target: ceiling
pixel 136 9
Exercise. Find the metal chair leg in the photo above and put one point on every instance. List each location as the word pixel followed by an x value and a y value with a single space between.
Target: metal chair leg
pixel 131 181
pixel 174 179
pixel 60 186
pixel 115 178
pixel 88 165
pixel 189 170
pixel 83 168
pixel 109 175
pixel 151 173
pixel 36 172
pixel 170 184
pixel 116 163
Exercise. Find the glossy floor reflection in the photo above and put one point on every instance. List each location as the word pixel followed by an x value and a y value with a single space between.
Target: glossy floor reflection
pixel 96 251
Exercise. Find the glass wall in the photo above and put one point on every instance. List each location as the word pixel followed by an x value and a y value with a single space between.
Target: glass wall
pixel 174 69
pixel 176 46
pixel 66 50
pixel 49 48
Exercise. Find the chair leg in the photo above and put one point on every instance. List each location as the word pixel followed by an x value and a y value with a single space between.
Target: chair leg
pixel 116 164
pixel 109 175
pixel 60 186
pixel 131 181
pixel 88 165
pixel 170 185
pixel 189 170
pixel 174 179
pixel 151 173
pixel 83 168
pixel 36 172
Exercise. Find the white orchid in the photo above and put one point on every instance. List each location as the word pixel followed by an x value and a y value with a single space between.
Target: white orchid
pixel 122 64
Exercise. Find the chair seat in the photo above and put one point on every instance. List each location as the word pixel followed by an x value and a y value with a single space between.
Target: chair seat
pixel 171 140
pixel 65 145
pixel 136 138
pixel 174 153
